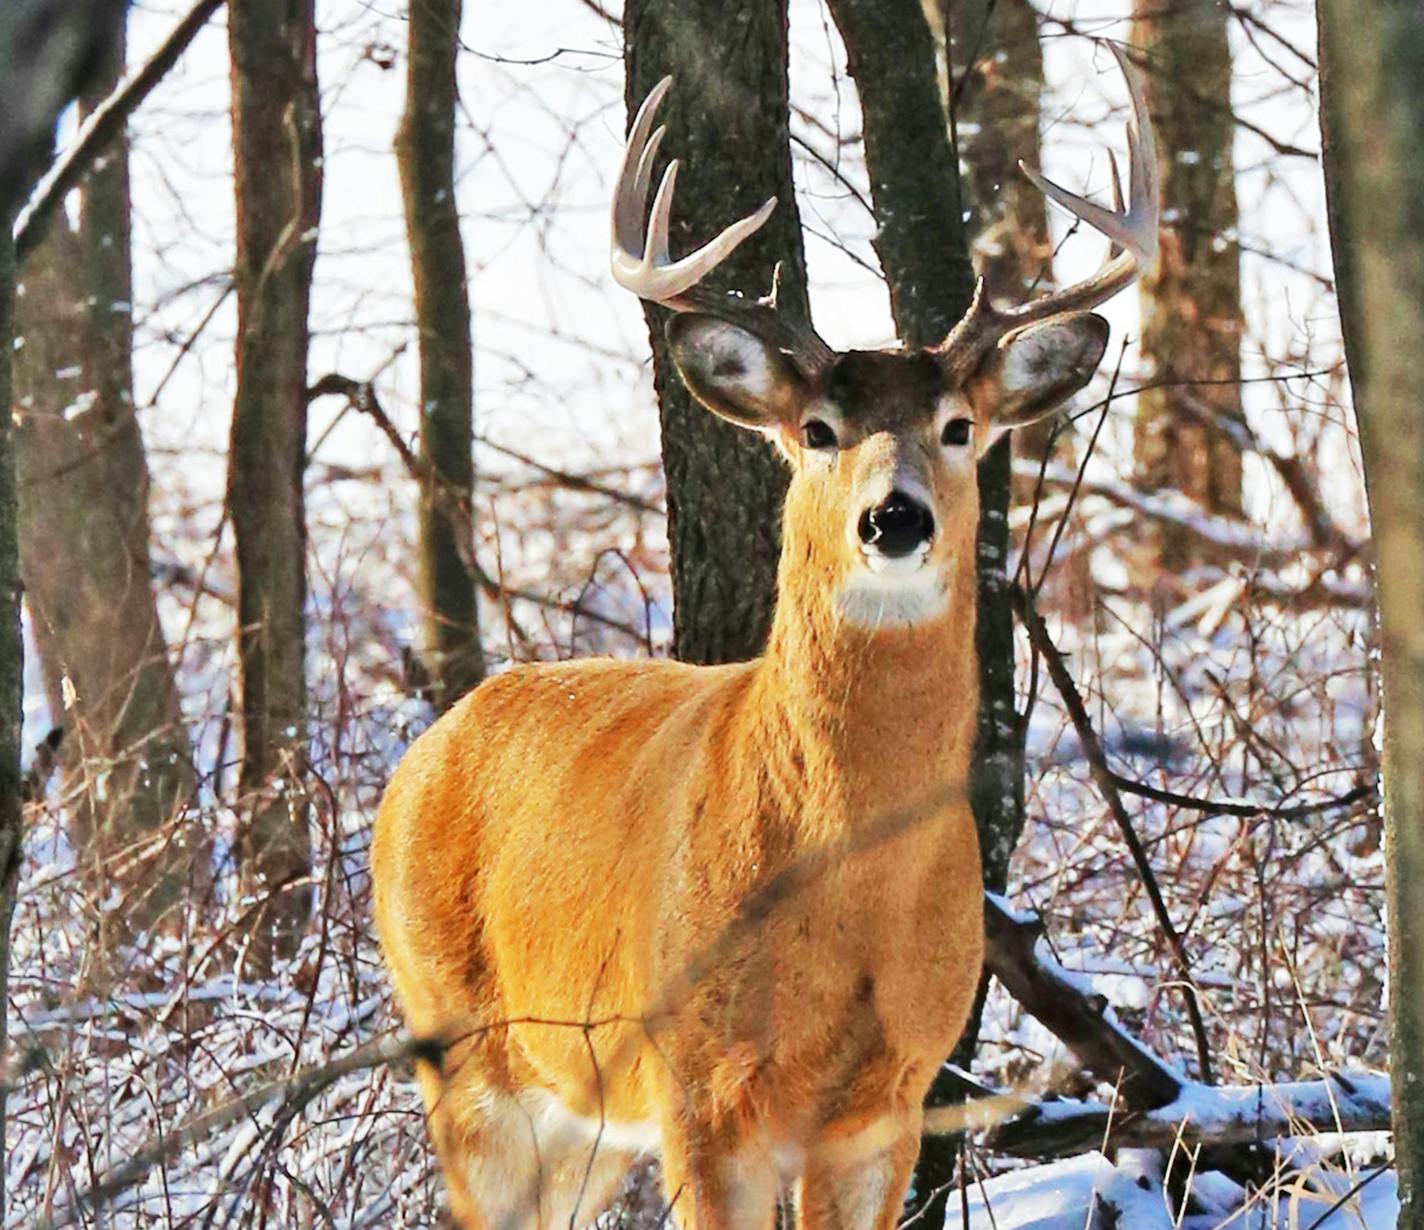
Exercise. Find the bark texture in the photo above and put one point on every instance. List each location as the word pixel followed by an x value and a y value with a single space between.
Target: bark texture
pixel 1191 303
pixel 724 485
pixel 11 660
pixel 1373 120
pixel 84 556
pixel 997 68
pixel 47 52
pixel 425 153
pixel 998 72
pixel 277 142
pixel 914 180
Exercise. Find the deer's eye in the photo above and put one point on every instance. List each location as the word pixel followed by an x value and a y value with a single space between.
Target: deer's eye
pixel 957 431
pixel 817 434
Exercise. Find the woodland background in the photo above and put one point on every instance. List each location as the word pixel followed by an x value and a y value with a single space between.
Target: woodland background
pixel 324 406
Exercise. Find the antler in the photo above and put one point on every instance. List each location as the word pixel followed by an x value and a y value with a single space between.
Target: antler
pixel 641 263
pixel 1133 233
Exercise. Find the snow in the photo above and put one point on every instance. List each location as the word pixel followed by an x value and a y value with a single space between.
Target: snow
pixel 1067 1195
pixel 1091 1193
pixel 1339 1098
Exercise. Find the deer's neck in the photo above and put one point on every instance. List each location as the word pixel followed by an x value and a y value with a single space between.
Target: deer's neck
pixel 862 721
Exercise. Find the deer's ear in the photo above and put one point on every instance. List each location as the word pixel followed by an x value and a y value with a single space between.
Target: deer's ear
pixel 735 373
pixel 1032 372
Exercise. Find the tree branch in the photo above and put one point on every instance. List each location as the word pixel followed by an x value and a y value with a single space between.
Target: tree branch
pixel 1082 1019
pixel 1230 1115
pixel 362 396
pixel 102 127
pixel 50 51
pixel 294 1094
pixel 1103 776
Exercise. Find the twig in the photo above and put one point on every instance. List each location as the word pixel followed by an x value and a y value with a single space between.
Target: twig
pixel 1229 538
pixel 575 482
pixel 1103 776
pixel 293 1094
pixel 1347 1196
pixel 362 395
pixel 1242 808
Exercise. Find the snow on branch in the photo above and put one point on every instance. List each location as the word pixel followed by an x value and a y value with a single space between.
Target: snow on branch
pixel 1066 1004
pixel 1200 1115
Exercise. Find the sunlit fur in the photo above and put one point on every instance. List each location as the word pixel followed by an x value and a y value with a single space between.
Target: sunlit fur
pixel 732 911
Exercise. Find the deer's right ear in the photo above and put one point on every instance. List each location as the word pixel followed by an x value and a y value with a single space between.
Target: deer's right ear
pixel 734 373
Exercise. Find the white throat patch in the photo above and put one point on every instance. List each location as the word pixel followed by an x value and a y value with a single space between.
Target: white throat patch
pixel 898 594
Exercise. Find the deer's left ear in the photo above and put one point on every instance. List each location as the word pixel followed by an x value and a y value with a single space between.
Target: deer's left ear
pixel 1032 372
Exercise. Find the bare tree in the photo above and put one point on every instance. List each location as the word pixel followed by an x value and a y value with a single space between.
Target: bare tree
pixel 1373 124
pixel 998 91
pixel 84 547
pixel 998 87
pixel 1191 304
pixel 425 153
pixel 47 55
pixel 277 139
pixel 993 77
pixel 724 489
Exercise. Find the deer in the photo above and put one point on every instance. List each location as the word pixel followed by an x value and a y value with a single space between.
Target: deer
pixel 731 915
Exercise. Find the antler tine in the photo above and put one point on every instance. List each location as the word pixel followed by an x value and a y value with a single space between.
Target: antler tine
pixel 1132 232
pixel 640 259
pixel 638 198
pixel 630 198
pixel 1141 142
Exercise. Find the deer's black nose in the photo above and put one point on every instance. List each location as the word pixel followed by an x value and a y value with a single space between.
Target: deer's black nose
pixel 897 527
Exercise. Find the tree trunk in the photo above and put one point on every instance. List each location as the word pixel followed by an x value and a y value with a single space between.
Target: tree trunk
pixel 724 486
pixel 1373 124
pixel 277 141
pixel 998 71
pixel 923 247
pixel 1191 303
pixel 33 89
pixel 11 661
pixel 84 554
pixel 922 241
pixel 425 153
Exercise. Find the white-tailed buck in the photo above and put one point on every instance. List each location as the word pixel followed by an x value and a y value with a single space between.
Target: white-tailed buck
pixel 732 914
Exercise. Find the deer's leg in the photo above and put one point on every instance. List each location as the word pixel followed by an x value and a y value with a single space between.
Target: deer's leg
pixel 840 1190
pixel 715 1178
pixel 579 1187
pixel 506 1171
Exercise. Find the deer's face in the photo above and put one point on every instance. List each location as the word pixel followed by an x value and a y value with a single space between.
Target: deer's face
pixel 884 444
